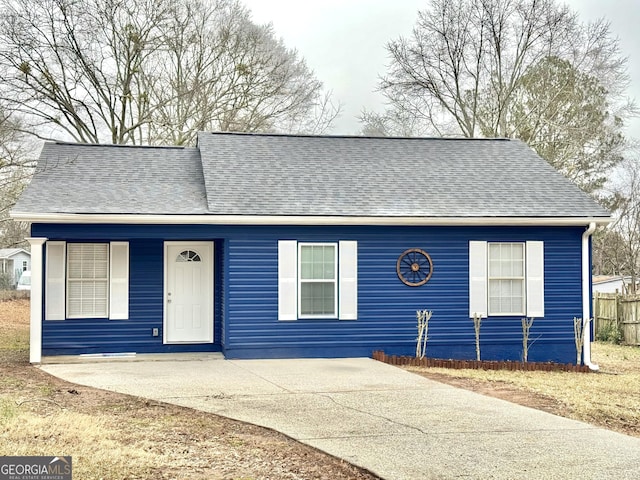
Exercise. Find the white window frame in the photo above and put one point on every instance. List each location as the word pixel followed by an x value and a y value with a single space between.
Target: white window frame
pixel 301 281
pixel 522 279
pixel 70 280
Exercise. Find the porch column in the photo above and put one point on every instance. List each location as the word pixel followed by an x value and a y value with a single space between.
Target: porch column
pixel 35 330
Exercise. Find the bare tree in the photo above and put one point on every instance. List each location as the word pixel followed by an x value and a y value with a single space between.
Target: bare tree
pixel 485 68
pixel 609 257
pixel 151 71
pixel 72 66
pixel 565 115
pixel 217 70
pixel 617 249
pixel 392 123
pixel 17 155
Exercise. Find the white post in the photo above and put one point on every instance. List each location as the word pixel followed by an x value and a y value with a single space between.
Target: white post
pixel 35 331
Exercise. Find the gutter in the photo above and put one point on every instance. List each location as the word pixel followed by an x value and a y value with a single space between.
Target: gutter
pixel 586 298
pixel 280 220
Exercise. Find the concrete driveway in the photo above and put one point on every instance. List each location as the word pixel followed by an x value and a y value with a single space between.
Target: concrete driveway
pixel 391 422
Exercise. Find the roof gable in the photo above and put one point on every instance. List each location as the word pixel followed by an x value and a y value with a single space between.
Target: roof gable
pixel 11 252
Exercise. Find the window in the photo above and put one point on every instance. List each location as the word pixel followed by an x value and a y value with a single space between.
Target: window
pixel 86 280
pixel 24 266
pixel 188 256
pixel 317 289
pixel 317 280
pixel 506 278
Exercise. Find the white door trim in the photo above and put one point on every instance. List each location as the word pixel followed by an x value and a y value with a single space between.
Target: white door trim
pixel 208 247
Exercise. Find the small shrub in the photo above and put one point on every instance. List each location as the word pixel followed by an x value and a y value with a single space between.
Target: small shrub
pixel 7 281
pixel 609 333
pixel 526 331
pixel 423 317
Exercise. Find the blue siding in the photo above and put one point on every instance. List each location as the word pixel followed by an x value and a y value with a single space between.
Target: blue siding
pixel 246 300
pixel 386 307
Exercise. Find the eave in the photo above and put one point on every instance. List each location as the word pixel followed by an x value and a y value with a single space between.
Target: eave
pixel 154 219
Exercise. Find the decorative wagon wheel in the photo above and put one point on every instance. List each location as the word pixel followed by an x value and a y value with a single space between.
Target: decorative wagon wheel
pixel 414 267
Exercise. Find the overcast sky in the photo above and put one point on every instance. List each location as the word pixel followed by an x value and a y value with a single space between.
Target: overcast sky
pixel 343 42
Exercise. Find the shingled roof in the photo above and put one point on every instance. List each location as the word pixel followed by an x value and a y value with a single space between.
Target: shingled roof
pixel 237 174
pixel 115 179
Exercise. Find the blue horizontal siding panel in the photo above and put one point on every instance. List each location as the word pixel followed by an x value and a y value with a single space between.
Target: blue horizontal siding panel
pixel 246 295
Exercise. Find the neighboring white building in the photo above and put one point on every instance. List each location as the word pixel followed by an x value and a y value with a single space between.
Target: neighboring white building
pixel 14 261
pixel 611 283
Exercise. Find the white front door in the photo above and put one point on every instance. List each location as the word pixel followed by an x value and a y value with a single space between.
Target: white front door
pixel 188 292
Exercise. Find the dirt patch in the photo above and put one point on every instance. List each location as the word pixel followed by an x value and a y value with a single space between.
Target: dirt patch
pixel 117 436
pixel 500 390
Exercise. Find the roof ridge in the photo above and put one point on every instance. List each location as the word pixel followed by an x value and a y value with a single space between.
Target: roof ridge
pixel 121 145
pixel 364 137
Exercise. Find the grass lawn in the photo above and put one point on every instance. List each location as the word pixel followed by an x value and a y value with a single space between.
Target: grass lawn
pixel 610 398
pixel 113 436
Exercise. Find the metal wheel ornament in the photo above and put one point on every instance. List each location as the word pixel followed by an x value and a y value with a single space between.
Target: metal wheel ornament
pixel 414 267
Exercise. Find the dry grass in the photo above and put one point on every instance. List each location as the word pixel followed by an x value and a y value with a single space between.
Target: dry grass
pixel 610 398
pixel 113 436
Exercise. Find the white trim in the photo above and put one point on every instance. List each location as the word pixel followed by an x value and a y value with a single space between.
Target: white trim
pixel 35 322
pixel 195 245
pixel 303 220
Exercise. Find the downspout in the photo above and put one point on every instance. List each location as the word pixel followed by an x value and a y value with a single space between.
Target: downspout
pixel 586 298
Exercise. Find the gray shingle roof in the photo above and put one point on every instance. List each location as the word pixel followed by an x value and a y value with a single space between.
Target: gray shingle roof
pixel 389 177
pixel 288 175
pixel 80 178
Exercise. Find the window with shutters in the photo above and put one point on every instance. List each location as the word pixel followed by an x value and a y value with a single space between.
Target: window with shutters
pixel 317 280
pixel 506 278
pixel 87 280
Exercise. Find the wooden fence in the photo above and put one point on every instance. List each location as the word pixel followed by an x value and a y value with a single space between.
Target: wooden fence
pixel 614 310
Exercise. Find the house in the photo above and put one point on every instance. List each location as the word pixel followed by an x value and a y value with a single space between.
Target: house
pixel 14 261
pixel 263 246
pixel 612 284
